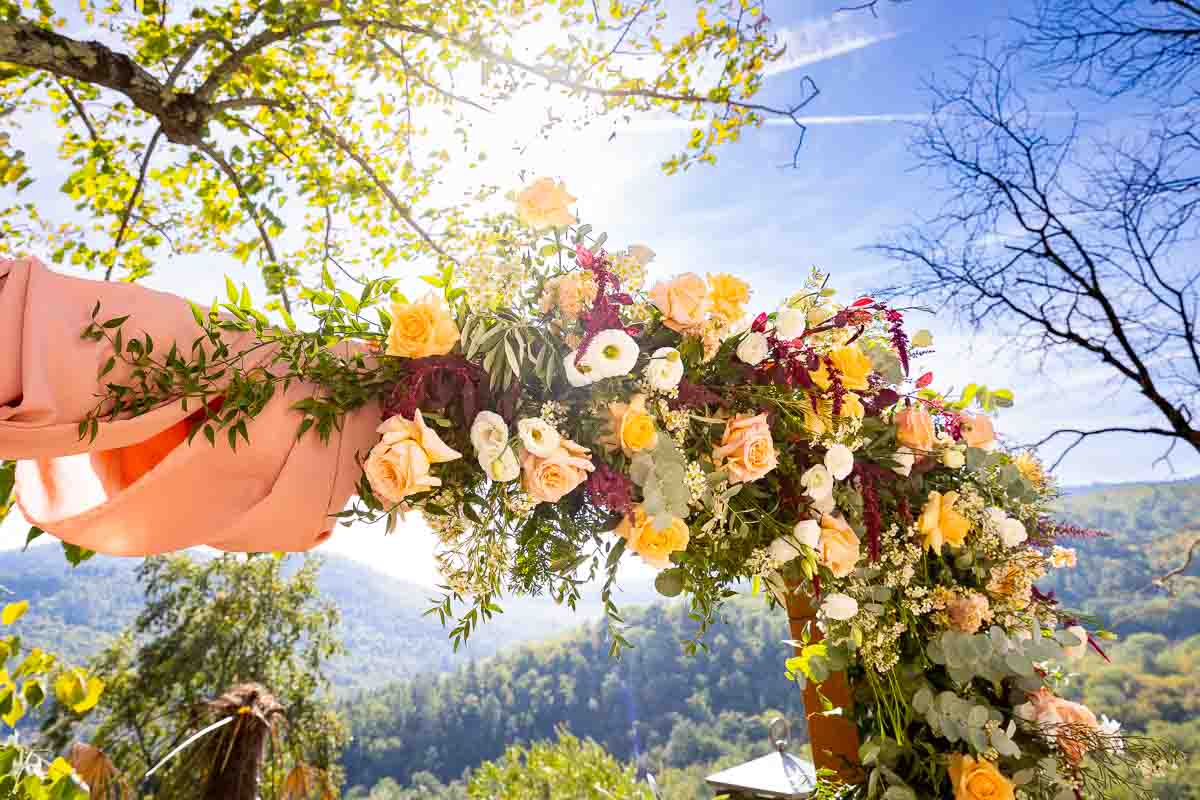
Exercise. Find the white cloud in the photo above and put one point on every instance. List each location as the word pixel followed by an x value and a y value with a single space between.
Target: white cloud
pixel 822 39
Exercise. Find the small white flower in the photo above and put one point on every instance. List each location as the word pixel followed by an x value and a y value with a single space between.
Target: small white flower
pixel 489 433
pixel 1076 651
pixel 665 370
pixel 839 460
pixel 753 348
pixel 790 323
pixel 904 458
pixel 502 468
pixel 807 532
pixel 1012 532
pixel 612 353
pixel 784 549
pixel 841 607
pixel 818 482
pixel 954 458
pixel 538 437
pixel 580 374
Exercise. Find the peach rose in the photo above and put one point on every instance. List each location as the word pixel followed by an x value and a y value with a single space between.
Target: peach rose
pixel 630 427
pixel 838 547
pixel 852 365
pixel 654 545
pixel 683 302
pixel 978 432
pixel 423 328
pixel 543 204
pixel 548 480
pixel 978 779
pixel 727 297
pixel 1060 719
pixel 914 429
pixel 941 524
pixel 570 294
pixel 747 448
pixel 399 465
pixel 967 614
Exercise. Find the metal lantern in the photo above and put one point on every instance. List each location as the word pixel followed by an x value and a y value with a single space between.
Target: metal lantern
pixel 776 775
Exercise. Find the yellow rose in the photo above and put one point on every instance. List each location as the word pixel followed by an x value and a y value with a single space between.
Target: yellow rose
pixel 654 545
pixel 941 524
pixel 683 301
pixel 398 466
pixel 747 449
pixel 852 365
pixel 977 779
pixel 727 296
pixel 1030 469
pixel 543 204
pixel 420 329
pixel 548 480
pixel 630 427
pixel 838 547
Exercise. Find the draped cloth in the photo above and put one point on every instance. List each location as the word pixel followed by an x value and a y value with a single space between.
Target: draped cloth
pixel 139 488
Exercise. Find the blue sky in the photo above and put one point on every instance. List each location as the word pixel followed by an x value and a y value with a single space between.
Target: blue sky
pixel 853 184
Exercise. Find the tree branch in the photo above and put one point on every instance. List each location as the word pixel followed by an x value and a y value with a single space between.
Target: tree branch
pixel 133 196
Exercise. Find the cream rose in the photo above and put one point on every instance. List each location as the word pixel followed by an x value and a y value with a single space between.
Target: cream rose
pixel 839 460
pixel 420 329
pixel 683 302
pixel 753 348
pixel 398 466
pixel 747 449
pixel 548 480
pixel 841 607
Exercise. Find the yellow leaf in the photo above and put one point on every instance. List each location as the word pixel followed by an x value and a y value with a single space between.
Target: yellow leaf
pixel 13 611
pixel 95 687
pixel 59 769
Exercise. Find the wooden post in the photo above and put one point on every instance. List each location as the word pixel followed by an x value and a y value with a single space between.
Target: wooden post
pixel 834 738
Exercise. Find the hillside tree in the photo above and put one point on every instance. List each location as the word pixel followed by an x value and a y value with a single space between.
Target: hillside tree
pixel 311 135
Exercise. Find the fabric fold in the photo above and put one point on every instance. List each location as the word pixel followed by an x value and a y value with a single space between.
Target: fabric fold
pixel 139 488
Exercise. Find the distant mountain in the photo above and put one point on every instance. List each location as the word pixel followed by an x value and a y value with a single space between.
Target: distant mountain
pixel 76 610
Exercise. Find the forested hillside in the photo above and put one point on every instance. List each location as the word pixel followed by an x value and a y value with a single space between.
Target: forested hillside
pixel 655 696
pixel 77 609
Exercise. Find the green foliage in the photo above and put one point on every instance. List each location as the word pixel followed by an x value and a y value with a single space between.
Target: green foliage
pixel 565 769
pixel 207 626
pixel 447 724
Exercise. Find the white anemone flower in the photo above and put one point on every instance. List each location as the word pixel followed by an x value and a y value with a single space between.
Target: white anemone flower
pixel 612 353
pixel 580 374
pixel 839 460
pixel 538 436
pixel 489 433
pixel 818 482
pixel 838 606
pixel 753 348
pixel 665 370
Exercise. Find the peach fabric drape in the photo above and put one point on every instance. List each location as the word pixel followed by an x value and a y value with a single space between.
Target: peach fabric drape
pixel 139 488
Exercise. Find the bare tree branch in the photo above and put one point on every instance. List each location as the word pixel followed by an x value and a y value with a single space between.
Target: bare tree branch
pixel 1164 581
pixel 133 196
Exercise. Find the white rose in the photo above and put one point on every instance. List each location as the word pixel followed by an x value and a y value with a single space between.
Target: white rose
pixel 1076 651
pixel 954 458
pixel 904 459
pixel 538 436
pixel 784 549
pixel 818 482
pixel 841 607
pixel 790 323
pixel 824 505
pixel 665 370
pixel 808 532
pixel 839 460
pixel 996 515
pixel 502 468
pixel 753 348
pixel 489 433
pixel 1012 532
pixel 612 353
pixel 578 374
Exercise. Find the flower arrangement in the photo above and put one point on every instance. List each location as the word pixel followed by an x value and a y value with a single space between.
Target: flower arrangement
pixel 574 416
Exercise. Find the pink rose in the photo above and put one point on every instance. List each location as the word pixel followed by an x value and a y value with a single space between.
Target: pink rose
pixel 747 449
pixel 683 301
pixel 967 614
pixel 1060 719
pixel 549 479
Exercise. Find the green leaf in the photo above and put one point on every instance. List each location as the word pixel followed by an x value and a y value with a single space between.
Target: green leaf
pixel 75 554
pixel 669 582
pixel 231 291
pixel 13 612
pixel 34 532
